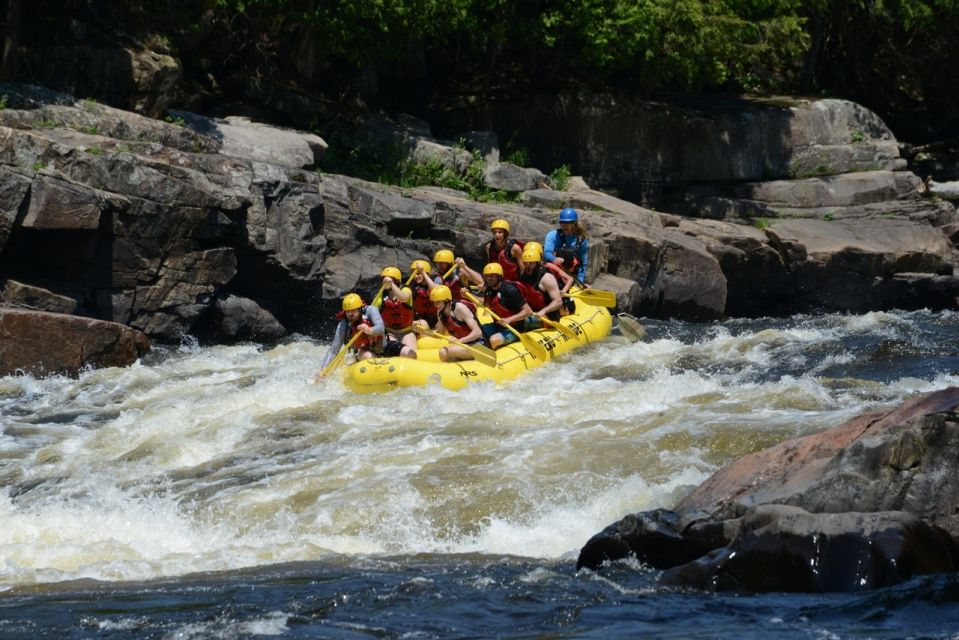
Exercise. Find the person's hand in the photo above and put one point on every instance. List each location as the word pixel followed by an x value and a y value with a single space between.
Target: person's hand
pixel 558 261
pixel 320 376
pixel 459 262
pixel 367 329
pixel 388 282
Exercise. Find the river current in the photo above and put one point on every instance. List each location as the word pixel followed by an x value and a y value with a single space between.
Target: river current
pixel 215 492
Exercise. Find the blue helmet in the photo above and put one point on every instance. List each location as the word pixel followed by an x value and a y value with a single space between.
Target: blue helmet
pixel 568 215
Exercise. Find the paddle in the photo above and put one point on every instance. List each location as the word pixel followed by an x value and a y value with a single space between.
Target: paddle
pixel 378 298
pixel 562 328
pixel 596 297
pixel 335 362
pixel 630 327
pixel 483 355
pixel 529 342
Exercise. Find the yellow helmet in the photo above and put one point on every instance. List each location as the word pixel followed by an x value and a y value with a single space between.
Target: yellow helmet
pixel 440 293
pixel 532 244
pixel 416 264
pixel 493 268
pixel 444 255
pixel 352 301
pixel 531 255
pixel 392 272
pixel 500 224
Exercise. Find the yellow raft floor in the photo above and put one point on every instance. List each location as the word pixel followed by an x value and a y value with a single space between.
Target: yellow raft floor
pixel 589 323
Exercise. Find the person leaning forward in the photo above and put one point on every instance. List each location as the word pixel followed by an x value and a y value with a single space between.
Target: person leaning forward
pixel 456 318
pixel 503 298
pixel 539 287
pixel 355 317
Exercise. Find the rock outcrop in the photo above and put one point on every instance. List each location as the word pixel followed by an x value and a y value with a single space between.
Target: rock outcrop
pixel 40 343
pixel 862 505
pixel 222 227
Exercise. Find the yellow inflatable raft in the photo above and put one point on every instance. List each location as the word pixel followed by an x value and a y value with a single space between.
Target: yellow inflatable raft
pixel 589 323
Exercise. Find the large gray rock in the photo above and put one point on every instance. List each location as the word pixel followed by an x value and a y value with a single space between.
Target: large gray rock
pixel 862 505
pixel 135 77
pixel 42 343
pixel 893 461
pixel 150 223
pixel 778 548
pixel 240 137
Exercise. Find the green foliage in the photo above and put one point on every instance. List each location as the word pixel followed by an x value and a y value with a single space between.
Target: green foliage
pixel 683 43
pixel 559 177
pixel 829 216
pixel 390 164
pixel 3 102
pixel 94 151
pixel 178 121
pixel 678 43
pixel 762 223
pixel 857 136
pixel 93 130
pixel 39 165
pixel 520 157
pixel 48 123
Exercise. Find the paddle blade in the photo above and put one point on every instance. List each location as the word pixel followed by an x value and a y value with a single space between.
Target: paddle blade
pixel 562 328
pixel 483 355
pixel 596 297
pixel 532 345
pixel 630 327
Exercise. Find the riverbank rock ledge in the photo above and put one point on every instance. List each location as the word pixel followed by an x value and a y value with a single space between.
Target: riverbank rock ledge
pixel 224 229
pixel 41 343
pixel 866 504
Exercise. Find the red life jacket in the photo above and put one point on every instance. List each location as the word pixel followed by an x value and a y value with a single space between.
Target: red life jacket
pixel 456 287
pixel 457 328
pixel 364 342
pixel 505 258
pixel 422 306
pixel 396 314
pixel 529 287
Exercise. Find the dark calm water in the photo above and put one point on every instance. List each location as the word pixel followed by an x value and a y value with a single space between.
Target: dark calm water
pixel 216 493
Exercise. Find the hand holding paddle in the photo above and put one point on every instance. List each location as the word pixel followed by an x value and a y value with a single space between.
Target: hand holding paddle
pixel 335 362
pixel 378 298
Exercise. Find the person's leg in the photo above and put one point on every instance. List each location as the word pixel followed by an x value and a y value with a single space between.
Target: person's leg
pixel 409 346
pixel 455 353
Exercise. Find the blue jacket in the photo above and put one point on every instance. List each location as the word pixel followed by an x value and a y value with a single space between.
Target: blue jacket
pixel 556 240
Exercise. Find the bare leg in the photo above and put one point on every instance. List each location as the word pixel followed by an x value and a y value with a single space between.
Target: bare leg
pixel 409 346
pixel 455 353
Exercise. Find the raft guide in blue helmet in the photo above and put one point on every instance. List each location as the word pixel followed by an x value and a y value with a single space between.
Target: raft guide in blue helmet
pixel 568 215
